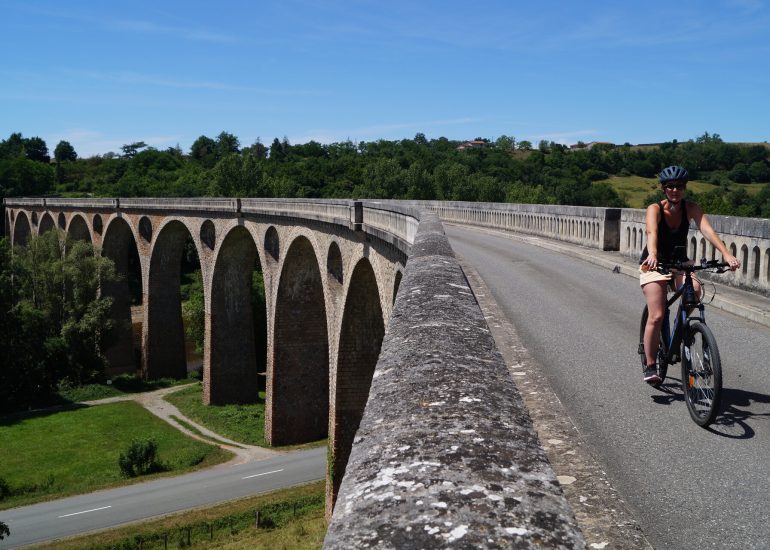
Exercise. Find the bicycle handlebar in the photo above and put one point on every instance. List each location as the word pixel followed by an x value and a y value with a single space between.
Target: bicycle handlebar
pixel 678 265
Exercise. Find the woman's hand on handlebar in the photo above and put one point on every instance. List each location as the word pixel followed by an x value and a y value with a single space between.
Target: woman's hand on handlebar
pixel 732 261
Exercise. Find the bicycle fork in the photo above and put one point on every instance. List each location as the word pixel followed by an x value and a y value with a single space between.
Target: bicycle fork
pixel 681 331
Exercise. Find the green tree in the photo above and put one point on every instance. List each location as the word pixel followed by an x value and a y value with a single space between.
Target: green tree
pixel 63 153
pixel 525 145
pixel 13 147
pixel 740 173
pixel 759 171
pixel 36 149
pixel 506 143
pixel 23 177
pixel 204 151
pixel 54 324
pixel 131 149
pixel 227 144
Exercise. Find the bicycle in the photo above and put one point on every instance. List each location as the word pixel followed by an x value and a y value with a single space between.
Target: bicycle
pixel 690 341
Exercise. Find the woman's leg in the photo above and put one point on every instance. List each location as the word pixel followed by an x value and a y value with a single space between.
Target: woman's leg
pixel 655 295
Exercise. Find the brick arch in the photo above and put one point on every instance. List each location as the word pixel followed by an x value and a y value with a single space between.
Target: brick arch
pixel 46 223
pixel 299 370
pixel 21 229
pixel 164 343
pixel 361 333
pixel 230 368
pixel 78 229
pixel 119 245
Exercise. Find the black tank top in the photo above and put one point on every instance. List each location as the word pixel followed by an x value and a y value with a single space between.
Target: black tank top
pixel 672 243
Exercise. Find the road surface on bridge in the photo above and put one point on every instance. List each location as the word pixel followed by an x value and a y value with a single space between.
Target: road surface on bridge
pixel 103 509
pixel 687 487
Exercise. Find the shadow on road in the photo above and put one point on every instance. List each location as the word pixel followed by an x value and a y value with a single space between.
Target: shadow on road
pixel 732 422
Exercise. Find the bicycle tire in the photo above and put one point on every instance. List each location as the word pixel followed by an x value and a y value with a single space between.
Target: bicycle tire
pixel 661 357
pixel 701 374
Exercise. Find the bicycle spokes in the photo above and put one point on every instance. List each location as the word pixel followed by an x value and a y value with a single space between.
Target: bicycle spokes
pixel 699 382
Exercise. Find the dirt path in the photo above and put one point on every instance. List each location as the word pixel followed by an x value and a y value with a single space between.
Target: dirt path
pixel 153 401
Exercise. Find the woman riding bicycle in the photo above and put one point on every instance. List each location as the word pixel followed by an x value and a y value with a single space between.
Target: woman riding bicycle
pixel 668 223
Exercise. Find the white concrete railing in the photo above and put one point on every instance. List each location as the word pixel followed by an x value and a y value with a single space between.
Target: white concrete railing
pixel 390 218
pixel 588 226
pixel 331 211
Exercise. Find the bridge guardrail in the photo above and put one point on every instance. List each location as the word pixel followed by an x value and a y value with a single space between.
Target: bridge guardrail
pixel 330 211
pixel 391 222
pixel 584 225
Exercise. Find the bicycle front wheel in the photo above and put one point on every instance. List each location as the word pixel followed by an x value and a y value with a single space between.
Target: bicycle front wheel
pixel 662 353
pixel 701 374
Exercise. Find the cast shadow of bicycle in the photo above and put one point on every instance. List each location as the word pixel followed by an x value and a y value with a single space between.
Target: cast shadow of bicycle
pixel 733 420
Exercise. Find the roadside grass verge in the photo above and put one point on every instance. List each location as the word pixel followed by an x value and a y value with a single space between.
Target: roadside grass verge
pixel 291 518
pixel 48 455
pixel 241 423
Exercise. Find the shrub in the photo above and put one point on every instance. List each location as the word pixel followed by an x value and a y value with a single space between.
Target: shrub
pixel 4 531
pixel 140 458
pixel 5 489
pixel 596 175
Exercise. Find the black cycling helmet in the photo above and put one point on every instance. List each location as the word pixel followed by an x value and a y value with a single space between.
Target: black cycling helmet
pixel 673 173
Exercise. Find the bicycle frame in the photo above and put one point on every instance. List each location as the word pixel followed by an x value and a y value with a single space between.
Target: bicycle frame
pixel 674 335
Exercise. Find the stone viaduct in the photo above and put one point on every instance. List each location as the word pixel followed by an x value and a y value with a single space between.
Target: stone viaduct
pixel 374 338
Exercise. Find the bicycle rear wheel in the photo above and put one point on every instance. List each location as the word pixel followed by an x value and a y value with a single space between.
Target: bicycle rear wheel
pixel 701 374
pixel 660 357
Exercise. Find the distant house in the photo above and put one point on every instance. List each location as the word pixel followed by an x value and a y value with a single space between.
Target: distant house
pixel 474 144
pixel 589 145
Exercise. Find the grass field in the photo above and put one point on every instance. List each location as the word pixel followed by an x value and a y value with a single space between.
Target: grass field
pixel 54 454
pixel 291 518
pixel 241 423
pixel 635 189
pixel 120 385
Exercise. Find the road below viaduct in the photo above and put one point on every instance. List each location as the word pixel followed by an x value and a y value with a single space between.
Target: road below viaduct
pixel 687 487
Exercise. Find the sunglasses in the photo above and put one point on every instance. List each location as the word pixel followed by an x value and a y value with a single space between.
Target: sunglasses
pixel 679 186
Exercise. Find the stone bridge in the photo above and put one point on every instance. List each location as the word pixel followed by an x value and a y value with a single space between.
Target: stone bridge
pixel 444 448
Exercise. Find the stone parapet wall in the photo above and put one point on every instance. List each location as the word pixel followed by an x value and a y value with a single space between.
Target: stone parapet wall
pixel 446 454
pixel 748 239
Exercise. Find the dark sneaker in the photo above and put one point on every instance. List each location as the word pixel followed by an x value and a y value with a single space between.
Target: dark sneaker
pixel 651 375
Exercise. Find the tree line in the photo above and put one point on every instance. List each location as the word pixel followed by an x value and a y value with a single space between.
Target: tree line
pixel 503 170
pixel 54 324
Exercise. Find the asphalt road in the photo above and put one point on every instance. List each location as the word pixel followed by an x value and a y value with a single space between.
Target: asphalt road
pixel 688 487
pixel 103 509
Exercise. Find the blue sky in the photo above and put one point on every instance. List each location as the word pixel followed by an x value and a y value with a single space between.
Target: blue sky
pixel 103 74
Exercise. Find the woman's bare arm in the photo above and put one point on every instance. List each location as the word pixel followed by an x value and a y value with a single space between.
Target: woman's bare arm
pixel 652 219
pixel 704 225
